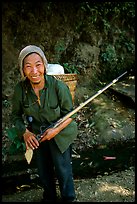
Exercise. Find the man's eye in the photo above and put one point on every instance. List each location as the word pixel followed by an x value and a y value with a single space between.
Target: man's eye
pixel 38 65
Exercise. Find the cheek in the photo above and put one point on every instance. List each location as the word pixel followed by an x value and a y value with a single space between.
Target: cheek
pixel 42 70
pixel 26 72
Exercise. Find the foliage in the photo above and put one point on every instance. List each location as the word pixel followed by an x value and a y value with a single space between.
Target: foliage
pixel 109 55
pixel 107 10
pixel 113 62
pixel 118 47
pixel 5 103
pixel 59 48
pixel 16 145
pixel 70 68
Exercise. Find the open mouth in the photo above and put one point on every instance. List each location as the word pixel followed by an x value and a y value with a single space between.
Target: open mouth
pixel 35 77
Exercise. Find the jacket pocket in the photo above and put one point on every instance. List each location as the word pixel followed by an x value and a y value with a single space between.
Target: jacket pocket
pixel 54 113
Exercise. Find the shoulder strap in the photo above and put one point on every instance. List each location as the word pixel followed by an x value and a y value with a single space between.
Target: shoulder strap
pixel 24 91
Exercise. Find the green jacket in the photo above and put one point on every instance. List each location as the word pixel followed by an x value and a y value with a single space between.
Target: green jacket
pixel 56 102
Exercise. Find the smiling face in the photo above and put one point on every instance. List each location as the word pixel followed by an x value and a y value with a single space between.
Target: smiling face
pixel 33 68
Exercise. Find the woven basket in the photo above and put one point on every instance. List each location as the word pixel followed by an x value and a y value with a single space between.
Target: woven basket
pixel 70 80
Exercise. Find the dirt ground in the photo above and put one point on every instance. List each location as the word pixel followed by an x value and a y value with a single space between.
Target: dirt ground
pixel 117 187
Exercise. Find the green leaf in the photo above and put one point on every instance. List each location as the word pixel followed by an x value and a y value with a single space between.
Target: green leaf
pixel 12 134
pixel 18 144
pixel 12 149
pixel 23 146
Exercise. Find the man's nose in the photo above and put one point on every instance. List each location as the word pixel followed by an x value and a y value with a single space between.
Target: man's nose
pixel 35 69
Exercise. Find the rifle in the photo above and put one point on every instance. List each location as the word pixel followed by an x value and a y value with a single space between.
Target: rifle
pixel 29 152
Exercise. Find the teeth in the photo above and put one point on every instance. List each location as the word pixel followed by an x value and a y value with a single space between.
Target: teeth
pixel 35 77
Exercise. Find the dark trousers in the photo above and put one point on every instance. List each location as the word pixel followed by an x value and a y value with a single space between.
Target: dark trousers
pixel 51 162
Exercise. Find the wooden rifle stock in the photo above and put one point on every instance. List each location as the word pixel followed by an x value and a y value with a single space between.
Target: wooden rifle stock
pixel 56 124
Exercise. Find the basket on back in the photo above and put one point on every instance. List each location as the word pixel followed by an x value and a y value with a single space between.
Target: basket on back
pixel 70 80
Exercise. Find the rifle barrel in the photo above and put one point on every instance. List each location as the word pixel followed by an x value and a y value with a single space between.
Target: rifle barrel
pixel 87 101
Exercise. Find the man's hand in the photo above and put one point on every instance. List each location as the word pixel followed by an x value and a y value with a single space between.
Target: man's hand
pixel 52 132
pixel 49 134
pixel 30 140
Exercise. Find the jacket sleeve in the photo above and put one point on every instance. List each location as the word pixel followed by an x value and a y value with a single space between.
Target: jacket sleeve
pixel 65 98
pixel 17 110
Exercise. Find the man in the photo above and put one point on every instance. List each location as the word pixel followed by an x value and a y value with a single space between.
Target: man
pixel 43 99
